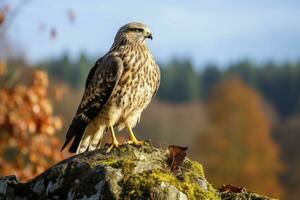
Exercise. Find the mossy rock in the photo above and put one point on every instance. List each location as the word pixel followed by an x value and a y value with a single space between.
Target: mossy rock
pixel 125 173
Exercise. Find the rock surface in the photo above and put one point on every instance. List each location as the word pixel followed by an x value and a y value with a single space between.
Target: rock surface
pixel 126 173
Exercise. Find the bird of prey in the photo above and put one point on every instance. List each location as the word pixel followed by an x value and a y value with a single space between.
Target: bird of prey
pixel 118 88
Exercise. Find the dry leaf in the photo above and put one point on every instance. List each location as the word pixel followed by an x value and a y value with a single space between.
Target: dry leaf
pixel 53 33
pixel 71 16
pixel 231 188
pixel 176 156
pixel 2 17
pixel 3 68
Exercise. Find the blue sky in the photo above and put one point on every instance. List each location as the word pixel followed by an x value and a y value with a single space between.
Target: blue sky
pixel 219 31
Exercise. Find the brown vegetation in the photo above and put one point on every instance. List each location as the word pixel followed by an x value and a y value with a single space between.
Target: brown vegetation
pixel 28 128
pixel 237 147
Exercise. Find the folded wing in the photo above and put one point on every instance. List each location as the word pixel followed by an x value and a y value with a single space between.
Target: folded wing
pixel 101 81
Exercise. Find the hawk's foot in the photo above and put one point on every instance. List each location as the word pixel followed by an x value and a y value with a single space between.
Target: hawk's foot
pixel 135 142
pixel 133 139
pixel 114 144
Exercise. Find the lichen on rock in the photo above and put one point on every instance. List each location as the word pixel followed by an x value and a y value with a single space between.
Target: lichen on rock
pixel 125 173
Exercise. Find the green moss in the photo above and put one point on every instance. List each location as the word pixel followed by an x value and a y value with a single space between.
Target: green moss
pixel 110 161
pixel 191 184
pixel 194 167
pixel 114 158
pixel 138 186
pixel 127 167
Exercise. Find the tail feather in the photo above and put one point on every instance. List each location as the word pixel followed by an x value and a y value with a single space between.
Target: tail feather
pixel 97 138
pixel 75 131
pixel 92 136
pixel 84 143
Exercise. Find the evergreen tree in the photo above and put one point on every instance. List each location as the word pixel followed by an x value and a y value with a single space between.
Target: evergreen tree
pixel 179 82
pixel 245 69
pixel 210 77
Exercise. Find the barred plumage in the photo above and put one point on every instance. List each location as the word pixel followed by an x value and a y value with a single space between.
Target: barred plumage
pixel 118 88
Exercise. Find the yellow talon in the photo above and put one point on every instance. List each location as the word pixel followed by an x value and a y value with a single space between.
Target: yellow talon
pixel 115 143
pixel 133 139
pixel 135 142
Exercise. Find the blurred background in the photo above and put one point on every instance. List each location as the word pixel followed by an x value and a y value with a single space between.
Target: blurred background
pixel 230 87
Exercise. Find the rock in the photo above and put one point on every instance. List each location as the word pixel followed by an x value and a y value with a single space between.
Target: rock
pixel 125 173
pixel 167 192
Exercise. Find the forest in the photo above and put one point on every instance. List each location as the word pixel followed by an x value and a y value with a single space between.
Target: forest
pixel 241 121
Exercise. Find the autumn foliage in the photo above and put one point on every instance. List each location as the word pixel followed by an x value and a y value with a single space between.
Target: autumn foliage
pixel 28 141
pixel 237 147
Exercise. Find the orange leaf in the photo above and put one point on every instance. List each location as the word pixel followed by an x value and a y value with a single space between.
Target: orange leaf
pixel 2 17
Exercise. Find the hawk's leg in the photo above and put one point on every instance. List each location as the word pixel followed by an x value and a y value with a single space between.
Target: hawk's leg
pixel 133 139
pixel 114 142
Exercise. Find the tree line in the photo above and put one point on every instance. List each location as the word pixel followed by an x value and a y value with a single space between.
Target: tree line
pixel 181 82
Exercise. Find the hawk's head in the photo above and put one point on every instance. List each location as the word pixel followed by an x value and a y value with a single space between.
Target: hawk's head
pixel 134 32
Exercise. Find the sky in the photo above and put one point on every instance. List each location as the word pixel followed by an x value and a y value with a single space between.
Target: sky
pixel 220 31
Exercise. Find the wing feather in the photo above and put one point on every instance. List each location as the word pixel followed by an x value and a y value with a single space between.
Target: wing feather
pixel 101 81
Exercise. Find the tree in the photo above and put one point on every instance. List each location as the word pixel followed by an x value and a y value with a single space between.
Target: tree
pixel 237 147
pixel 179 82
pixel 288 136
pixel 245 69
pixel 210 77
pixel 28 141
pixel 280 84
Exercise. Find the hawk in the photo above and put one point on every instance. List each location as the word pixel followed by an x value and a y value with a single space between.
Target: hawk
pixel 118 88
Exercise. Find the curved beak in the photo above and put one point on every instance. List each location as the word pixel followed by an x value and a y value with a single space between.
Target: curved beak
pixel 149 36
